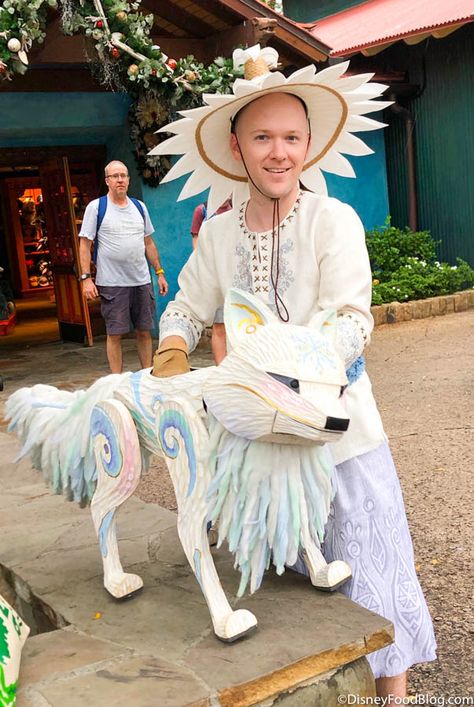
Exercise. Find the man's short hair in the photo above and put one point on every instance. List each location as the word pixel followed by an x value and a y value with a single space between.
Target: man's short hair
pixel 114 162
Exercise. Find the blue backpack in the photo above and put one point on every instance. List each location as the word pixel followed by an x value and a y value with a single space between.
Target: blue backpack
pixel 101 213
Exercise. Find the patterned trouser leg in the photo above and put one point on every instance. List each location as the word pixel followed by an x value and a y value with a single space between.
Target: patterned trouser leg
pixel 368 529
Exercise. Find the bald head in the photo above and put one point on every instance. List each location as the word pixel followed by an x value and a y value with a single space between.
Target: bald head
pixel 273 102
pixel 117 180
pixel 115 166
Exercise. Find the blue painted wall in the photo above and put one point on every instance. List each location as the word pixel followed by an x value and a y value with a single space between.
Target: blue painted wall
pixel 60 118
pixel 368 194
pixel 172 222
pixel 40 119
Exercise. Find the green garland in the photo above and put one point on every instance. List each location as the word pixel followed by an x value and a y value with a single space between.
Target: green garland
pixel 123 57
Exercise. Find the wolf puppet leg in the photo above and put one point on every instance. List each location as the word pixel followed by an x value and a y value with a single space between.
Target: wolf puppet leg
pixel 324 576
pixel 118 459
pixel 184 441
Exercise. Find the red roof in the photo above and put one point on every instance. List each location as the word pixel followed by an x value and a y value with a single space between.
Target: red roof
pixel 379 22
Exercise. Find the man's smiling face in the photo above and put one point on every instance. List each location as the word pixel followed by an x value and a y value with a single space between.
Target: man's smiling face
pixel 272 138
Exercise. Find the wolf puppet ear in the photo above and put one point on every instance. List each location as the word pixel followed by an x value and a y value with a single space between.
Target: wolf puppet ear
pixel 243 313
pixel 325 322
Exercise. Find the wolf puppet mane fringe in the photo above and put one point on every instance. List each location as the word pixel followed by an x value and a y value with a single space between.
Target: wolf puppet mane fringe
pixel 267 496
pixel 54 429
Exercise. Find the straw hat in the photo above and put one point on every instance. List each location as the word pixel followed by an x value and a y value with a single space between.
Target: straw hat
pixel 336 108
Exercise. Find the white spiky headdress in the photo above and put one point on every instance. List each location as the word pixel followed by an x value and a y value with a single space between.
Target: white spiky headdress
pixel 336 108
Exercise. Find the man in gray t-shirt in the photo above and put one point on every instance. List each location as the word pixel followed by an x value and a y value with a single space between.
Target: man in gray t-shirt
pixel 124 249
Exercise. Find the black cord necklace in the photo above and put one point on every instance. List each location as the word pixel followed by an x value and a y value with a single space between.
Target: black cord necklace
pixel 275 271
pixel 281 307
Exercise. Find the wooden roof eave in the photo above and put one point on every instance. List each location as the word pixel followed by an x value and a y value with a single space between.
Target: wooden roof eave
pixel 287 32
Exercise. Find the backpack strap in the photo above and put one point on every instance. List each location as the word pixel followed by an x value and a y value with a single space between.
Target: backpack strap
pixel 101 212
pixel 100 217
pixel 139 207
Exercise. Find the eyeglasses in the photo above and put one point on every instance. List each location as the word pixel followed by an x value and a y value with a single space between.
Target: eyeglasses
pixel 122 175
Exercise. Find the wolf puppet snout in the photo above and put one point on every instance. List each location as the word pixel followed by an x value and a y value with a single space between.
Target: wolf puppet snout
pixel 337 424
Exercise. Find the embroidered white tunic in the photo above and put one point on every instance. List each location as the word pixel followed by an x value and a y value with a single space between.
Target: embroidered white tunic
pixel 323 264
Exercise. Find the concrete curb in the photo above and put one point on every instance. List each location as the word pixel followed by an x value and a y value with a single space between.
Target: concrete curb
pixel 394 312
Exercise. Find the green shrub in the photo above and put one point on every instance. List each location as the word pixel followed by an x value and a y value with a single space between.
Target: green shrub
pixel 390 248
pixel 404 266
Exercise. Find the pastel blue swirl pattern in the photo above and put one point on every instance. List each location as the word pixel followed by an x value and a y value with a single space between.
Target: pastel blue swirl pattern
pixel 111 455
pixel 104 529
pixel 197 566
pixel 176 422
pixel 135 383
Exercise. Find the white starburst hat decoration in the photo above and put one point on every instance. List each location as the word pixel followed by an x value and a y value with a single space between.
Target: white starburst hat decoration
pixel 336 107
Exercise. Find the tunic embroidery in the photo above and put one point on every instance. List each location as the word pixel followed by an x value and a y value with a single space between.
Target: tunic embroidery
pixel 254 259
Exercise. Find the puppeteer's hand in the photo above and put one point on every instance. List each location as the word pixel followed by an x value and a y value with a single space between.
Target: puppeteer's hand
pixel 89 290
pixel 171 358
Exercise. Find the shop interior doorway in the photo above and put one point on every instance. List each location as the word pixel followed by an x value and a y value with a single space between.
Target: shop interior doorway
pixel 42 205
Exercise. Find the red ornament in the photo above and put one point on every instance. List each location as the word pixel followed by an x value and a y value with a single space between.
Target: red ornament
pixel 154 72
pixel 115 52
pixel 172 63
pixel 3 69
pixel 99 24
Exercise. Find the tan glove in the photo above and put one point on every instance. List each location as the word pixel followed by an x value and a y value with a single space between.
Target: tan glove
pixel 171 359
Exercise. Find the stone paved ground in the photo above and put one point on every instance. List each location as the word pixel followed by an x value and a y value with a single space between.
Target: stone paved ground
pixel 422 372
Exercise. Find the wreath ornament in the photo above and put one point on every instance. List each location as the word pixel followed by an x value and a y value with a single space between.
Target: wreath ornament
pixel 123 57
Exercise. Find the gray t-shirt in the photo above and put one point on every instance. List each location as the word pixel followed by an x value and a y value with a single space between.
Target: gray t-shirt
pixel 121 257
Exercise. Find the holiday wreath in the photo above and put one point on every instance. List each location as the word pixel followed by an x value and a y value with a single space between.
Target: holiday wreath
pixel 123 57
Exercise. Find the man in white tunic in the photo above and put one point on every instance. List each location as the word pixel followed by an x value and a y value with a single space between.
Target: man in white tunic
pixel 302 252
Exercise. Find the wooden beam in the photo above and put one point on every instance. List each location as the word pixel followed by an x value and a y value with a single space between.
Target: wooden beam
pixel 59 48
pixel 31 156
pixel 287 31
pixel 191 24
pixel 66 79
pixel 166 27
pixel 301 47
pixel 218 9
pixel 178 47
pixel 257 30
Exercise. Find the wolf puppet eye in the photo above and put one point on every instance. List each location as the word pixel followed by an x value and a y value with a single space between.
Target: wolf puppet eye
pixel 292 383
pixel 343 387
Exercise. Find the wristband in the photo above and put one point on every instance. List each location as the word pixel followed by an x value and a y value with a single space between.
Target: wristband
pixel 160 271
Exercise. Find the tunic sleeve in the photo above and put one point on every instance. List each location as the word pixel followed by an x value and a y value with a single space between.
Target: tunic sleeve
pixel 345 278
pixel 199 295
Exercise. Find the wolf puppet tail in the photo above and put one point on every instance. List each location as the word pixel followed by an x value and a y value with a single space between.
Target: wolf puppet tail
pixel 54 428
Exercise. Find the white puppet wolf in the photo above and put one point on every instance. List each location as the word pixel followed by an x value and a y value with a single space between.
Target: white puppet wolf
pixel 244 443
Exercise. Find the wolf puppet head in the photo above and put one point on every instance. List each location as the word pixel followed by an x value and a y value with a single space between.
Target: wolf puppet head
pixel 279 382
